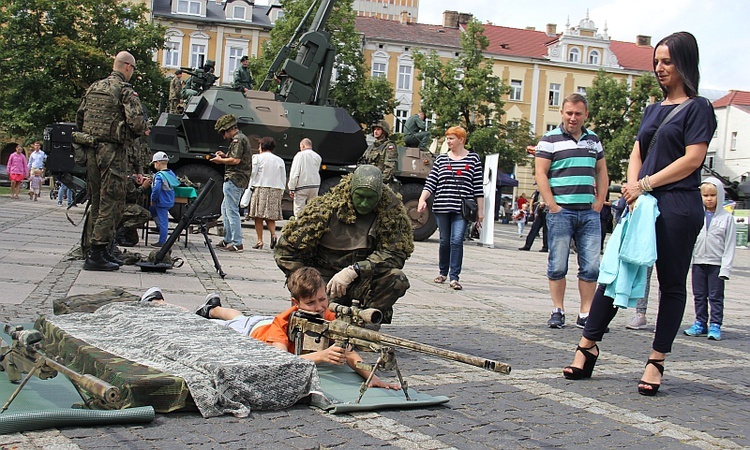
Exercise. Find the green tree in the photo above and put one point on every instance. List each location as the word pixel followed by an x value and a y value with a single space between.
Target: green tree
pixel 465 91
pixel 52 50
pixel 615 110
pixel 367 99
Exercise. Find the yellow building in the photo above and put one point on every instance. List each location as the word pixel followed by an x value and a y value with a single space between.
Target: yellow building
pixel 541 67
pixel 402 10
pixel 222 31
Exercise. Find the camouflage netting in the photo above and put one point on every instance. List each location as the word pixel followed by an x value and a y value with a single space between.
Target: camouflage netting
pixel 391 226
pixel 227 373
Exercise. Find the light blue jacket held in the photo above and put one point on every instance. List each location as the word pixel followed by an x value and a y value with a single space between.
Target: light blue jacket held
pixel 630 251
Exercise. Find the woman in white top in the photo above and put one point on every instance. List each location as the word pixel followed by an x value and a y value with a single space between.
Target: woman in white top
pixel 268 180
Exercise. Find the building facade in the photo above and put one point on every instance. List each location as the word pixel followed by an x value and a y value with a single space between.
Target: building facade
pixel 222 31
pixel 541 67
pixel 729 151
pixel 399 10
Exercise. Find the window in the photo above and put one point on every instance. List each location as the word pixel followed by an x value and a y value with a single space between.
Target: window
pixel 554 94
pixel 515 90
pixel 404 78
pixel 550 127
pixel 594 57
pixel 512 124
pixel 238 12
pixel 733 144
pixel 378 69
pixel 710 161
pixel 189 7
pixel 235 54
pixel 197 55
pixel 172 54
pixel 401 116
pixel 581 90
pixel 574 55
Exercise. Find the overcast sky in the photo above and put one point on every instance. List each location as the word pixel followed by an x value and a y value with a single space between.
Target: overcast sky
pixel 720 26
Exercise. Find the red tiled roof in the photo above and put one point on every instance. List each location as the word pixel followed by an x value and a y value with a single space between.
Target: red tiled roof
pixel 503 40
pixel 517 42
pixel 633 56
pixel 738 98
pixel 414 33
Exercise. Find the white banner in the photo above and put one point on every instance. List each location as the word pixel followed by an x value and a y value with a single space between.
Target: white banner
pixel 487 236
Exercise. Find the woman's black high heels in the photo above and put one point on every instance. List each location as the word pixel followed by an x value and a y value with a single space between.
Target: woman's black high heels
pixel 588 367
pixel 659 364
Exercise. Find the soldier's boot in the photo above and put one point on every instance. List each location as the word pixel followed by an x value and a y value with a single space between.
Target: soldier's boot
pixel 111 254
pixel 97 260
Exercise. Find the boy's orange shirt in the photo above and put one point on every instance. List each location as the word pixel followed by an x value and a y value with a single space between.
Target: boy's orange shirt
pixel 277 330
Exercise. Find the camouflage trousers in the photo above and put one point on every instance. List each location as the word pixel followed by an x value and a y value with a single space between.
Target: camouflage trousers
pixel 105 183
pixel 133 217
pixel 174 104
pixel 381 291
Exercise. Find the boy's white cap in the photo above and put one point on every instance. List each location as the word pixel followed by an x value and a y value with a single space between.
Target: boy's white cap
pixel 159 156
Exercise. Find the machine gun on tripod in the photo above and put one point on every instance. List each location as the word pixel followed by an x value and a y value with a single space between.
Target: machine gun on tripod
pixel 25 355
pixel 311 333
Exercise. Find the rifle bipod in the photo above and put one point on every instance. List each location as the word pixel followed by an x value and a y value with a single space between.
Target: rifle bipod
pixel 203 229
pixel 386 361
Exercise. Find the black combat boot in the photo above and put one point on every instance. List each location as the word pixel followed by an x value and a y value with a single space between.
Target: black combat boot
pixel 112 254
pixel 97 259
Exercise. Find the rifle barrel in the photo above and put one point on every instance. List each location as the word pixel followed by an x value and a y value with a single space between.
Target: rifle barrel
pixel 342 328
pixel 89 383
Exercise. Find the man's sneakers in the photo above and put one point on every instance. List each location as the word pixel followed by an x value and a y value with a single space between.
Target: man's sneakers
pixel 212 301
pixel 557 320
pixel 581 322
pixel 233 248
pixel 152 294
pixel 698 329
pixel 638 322
pixel 714 332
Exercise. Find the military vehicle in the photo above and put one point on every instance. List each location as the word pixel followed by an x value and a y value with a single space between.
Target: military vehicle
pixel 734 190
pixel 299 109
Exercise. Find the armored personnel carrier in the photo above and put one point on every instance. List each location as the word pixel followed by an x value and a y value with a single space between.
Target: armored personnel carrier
pixel 298 109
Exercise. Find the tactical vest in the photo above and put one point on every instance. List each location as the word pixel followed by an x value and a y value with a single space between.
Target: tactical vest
pixel 103 116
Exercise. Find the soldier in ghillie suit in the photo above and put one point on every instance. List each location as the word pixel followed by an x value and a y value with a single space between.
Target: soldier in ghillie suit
pixel 358 236
pixel 112 113
pixel 382 153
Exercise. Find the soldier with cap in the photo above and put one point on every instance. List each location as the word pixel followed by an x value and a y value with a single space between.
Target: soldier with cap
pixel 112 113
pixel 358 236
pixel 175 92
pixel 414 132
pixel 382 153
pixel 243 79
pixel 236 179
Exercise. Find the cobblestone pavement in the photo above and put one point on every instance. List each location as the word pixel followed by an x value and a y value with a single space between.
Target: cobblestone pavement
pixel 500 314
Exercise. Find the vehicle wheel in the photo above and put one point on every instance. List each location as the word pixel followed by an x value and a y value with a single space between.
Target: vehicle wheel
pixel 327 184
pixel 199 175
pixel 424 224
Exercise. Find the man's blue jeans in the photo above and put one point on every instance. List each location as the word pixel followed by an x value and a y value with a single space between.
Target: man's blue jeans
pixel 452 228
pixel 585 227
pixel 230 213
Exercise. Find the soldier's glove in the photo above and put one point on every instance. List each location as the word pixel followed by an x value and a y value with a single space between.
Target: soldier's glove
pixel 337 286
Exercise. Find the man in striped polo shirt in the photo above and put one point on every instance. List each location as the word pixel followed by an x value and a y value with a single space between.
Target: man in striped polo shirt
pixel 571 172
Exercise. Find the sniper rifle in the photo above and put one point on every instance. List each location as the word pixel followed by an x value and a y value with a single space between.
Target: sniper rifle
pixel 311 333
pixel 25 355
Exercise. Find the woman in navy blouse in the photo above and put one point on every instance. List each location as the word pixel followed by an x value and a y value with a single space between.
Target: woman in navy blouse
pixel 670 171
pixel 455 175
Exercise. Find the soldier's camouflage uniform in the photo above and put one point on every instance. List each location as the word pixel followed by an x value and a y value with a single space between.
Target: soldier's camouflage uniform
pixel 175 94
pixel 329 235
pixel 383 155
pixel 110 111
pixel 134 216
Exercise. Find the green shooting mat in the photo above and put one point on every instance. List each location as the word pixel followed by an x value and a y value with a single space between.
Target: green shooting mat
pixel 341 389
